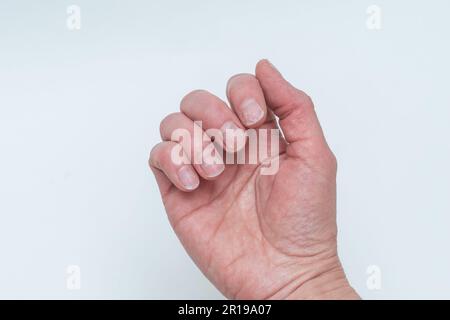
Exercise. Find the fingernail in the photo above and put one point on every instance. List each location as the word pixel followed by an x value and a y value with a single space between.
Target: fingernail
pixel 213 170
pixel 233 136
pixel 251 112
pixel 230 127
pixel 212 166
pixel 188 177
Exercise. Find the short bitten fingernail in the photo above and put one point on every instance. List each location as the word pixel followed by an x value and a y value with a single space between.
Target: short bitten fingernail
pixel 251 112
pixel 229 125
pixel 212 165
pixel 212 170
pixel 188 177
pixel 233 136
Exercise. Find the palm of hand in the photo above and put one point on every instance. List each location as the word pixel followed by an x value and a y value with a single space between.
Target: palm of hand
pixel 245 231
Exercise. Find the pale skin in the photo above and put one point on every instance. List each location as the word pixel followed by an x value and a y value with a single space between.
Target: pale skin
pixel 256 236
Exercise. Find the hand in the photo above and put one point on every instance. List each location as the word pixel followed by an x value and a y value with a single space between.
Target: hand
pixel 256 236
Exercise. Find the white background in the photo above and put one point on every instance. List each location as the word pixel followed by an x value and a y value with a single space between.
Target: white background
pixel 80 111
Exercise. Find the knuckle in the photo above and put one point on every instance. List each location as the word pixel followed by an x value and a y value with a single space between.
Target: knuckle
pixel 161 154
pixel 241 76
pixel 236 81
pixel 333 161
pixel 325 159
pixel 330 161
pixel 170 117
pixel 304 99
pixel 152 161
pixel 194 94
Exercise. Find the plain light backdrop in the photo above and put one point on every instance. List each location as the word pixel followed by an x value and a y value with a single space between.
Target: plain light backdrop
pixel 80 111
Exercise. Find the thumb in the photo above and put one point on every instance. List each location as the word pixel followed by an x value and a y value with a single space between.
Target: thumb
pixel 293 107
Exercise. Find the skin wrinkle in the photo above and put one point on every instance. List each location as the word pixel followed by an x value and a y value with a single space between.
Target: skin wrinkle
pixel 313 271
pixel 269 226
pixel 286 283
pixel 219 225
pixel 316 276
pixel 293 243
pixel 283 288
pixel 299 277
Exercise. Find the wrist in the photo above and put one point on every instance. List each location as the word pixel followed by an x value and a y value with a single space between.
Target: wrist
pixel 327 281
